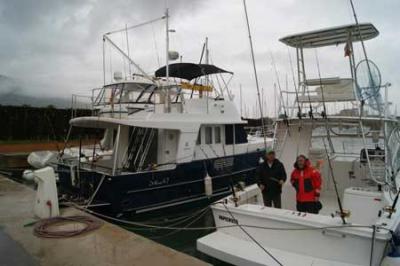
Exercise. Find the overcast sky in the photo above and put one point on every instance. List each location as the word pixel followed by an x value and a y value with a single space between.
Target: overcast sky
pixel 54 47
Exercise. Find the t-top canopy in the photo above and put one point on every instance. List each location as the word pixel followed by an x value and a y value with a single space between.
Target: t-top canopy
pixel 331 36
pixel 189 71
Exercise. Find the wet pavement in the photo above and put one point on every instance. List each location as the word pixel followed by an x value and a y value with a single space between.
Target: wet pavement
pixel 109 245
pixel 12 254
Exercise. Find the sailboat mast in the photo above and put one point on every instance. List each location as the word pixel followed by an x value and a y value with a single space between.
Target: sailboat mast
pixel 127 48
pixel 166 44
pixel 255 73
pixel 241 108
pixel 167 99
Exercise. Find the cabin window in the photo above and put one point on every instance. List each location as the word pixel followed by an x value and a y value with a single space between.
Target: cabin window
pixel 208 136
pixel 235 134
pixel 198 141
pixel 217 135
pixel 228 134
pixel 240 134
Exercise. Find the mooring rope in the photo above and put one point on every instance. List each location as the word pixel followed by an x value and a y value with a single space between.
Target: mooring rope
pixel 151 227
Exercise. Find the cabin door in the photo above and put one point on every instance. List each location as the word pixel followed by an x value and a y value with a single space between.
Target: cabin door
pixel 170 143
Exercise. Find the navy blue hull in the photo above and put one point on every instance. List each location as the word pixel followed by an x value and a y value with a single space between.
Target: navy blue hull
pixel 157 190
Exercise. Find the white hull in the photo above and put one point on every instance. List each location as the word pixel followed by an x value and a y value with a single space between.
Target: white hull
pixel 334 245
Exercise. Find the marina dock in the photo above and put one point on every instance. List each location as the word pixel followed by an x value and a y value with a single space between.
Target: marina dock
pixel 109 245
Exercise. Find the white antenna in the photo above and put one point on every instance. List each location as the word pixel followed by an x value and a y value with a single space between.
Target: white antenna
pixel 127 48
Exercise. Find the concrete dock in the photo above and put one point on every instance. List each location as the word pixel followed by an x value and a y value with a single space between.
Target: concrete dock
pixel 109 245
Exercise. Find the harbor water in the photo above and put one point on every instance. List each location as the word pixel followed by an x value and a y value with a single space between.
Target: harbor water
pixel 182 240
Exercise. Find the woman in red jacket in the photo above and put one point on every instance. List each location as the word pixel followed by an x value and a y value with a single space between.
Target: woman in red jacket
pixel 307 182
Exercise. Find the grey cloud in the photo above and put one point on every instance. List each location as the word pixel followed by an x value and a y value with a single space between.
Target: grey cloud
pixel 55 45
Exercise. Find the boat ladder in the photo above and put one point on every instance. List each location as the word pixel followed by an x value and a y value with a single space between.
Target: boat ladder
pixel 376 161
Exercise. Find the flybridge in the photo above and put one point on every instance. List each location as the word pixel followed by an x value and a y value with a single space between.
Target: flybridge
pixel 332 36
pixel 334 89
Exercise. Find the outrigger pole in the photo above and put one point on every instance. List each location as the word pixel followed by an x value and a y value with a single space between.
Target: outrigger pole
pixel 127 56
pixel 106 38
pixel 255 75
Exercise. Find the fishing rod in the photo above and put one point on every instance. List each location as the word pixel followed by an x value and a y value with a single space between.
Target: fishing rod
pixel 278 82
pixel 360 35
pixel 325 117
pixel 285 118
pixel 299 115
pixel 300 54
pixel 363 100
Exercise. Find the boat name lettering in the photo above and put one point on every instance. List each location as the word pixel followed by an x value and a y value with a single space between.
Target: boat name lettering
pixel 228 219
pixel 159 182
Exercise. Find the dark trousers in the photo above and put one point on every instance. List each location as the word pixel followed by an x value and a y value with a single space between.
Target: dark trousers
pixel 310 207
pixel 270 200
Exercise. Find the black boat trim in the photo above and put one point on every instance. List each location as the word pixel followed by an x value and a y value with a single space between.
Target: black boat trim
pixel 177 202
pixel 189 182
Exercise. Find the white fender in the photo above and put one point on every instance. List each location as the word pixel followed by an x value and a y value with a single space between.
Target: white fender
pixel 28 175
pixel 208 185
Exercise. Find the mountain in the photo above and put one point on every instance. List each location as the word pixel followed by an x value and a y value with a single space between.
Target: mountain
pixel 13 93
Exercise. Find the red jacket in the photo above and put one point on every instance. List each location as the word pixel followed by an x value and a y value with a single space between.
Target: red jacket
pixel 307 182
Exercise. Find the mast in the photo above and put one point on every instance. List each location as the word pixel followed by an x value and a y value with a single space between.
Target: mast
pixel 166 44
pixel 167 99
pixel 127 48
pixel 104 61
pixel 255 73
pixel 207 62
pixel 241 109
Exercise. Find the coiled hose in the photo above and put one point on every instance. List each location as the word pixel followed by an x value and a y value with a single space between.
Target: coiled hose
pixel 45 228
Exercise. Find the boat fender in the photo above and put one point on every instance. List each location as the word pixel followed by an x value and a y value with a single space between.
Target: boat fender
pixel 28 175
pixel 208 185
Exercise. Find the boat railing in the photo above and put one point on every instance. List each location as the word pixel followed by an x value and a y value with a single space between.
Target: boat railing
pixel 95 167
pixel 258 131
pixel 80 102
pixel 105 97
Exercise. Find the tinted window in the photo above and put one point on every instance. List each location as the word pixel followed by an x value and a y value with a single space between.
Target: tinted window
pixel 198 141
pixel 240 134
pixel 208 135
pixel 228 134
pixel 217 134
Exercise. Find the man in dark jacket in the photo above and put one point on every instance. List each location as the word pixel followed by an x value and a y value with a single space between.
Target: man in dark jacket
pixel 271 175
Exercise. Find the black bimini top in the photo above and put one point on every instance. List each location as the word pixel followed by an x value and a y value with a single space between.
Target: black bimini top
pixel 189 71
